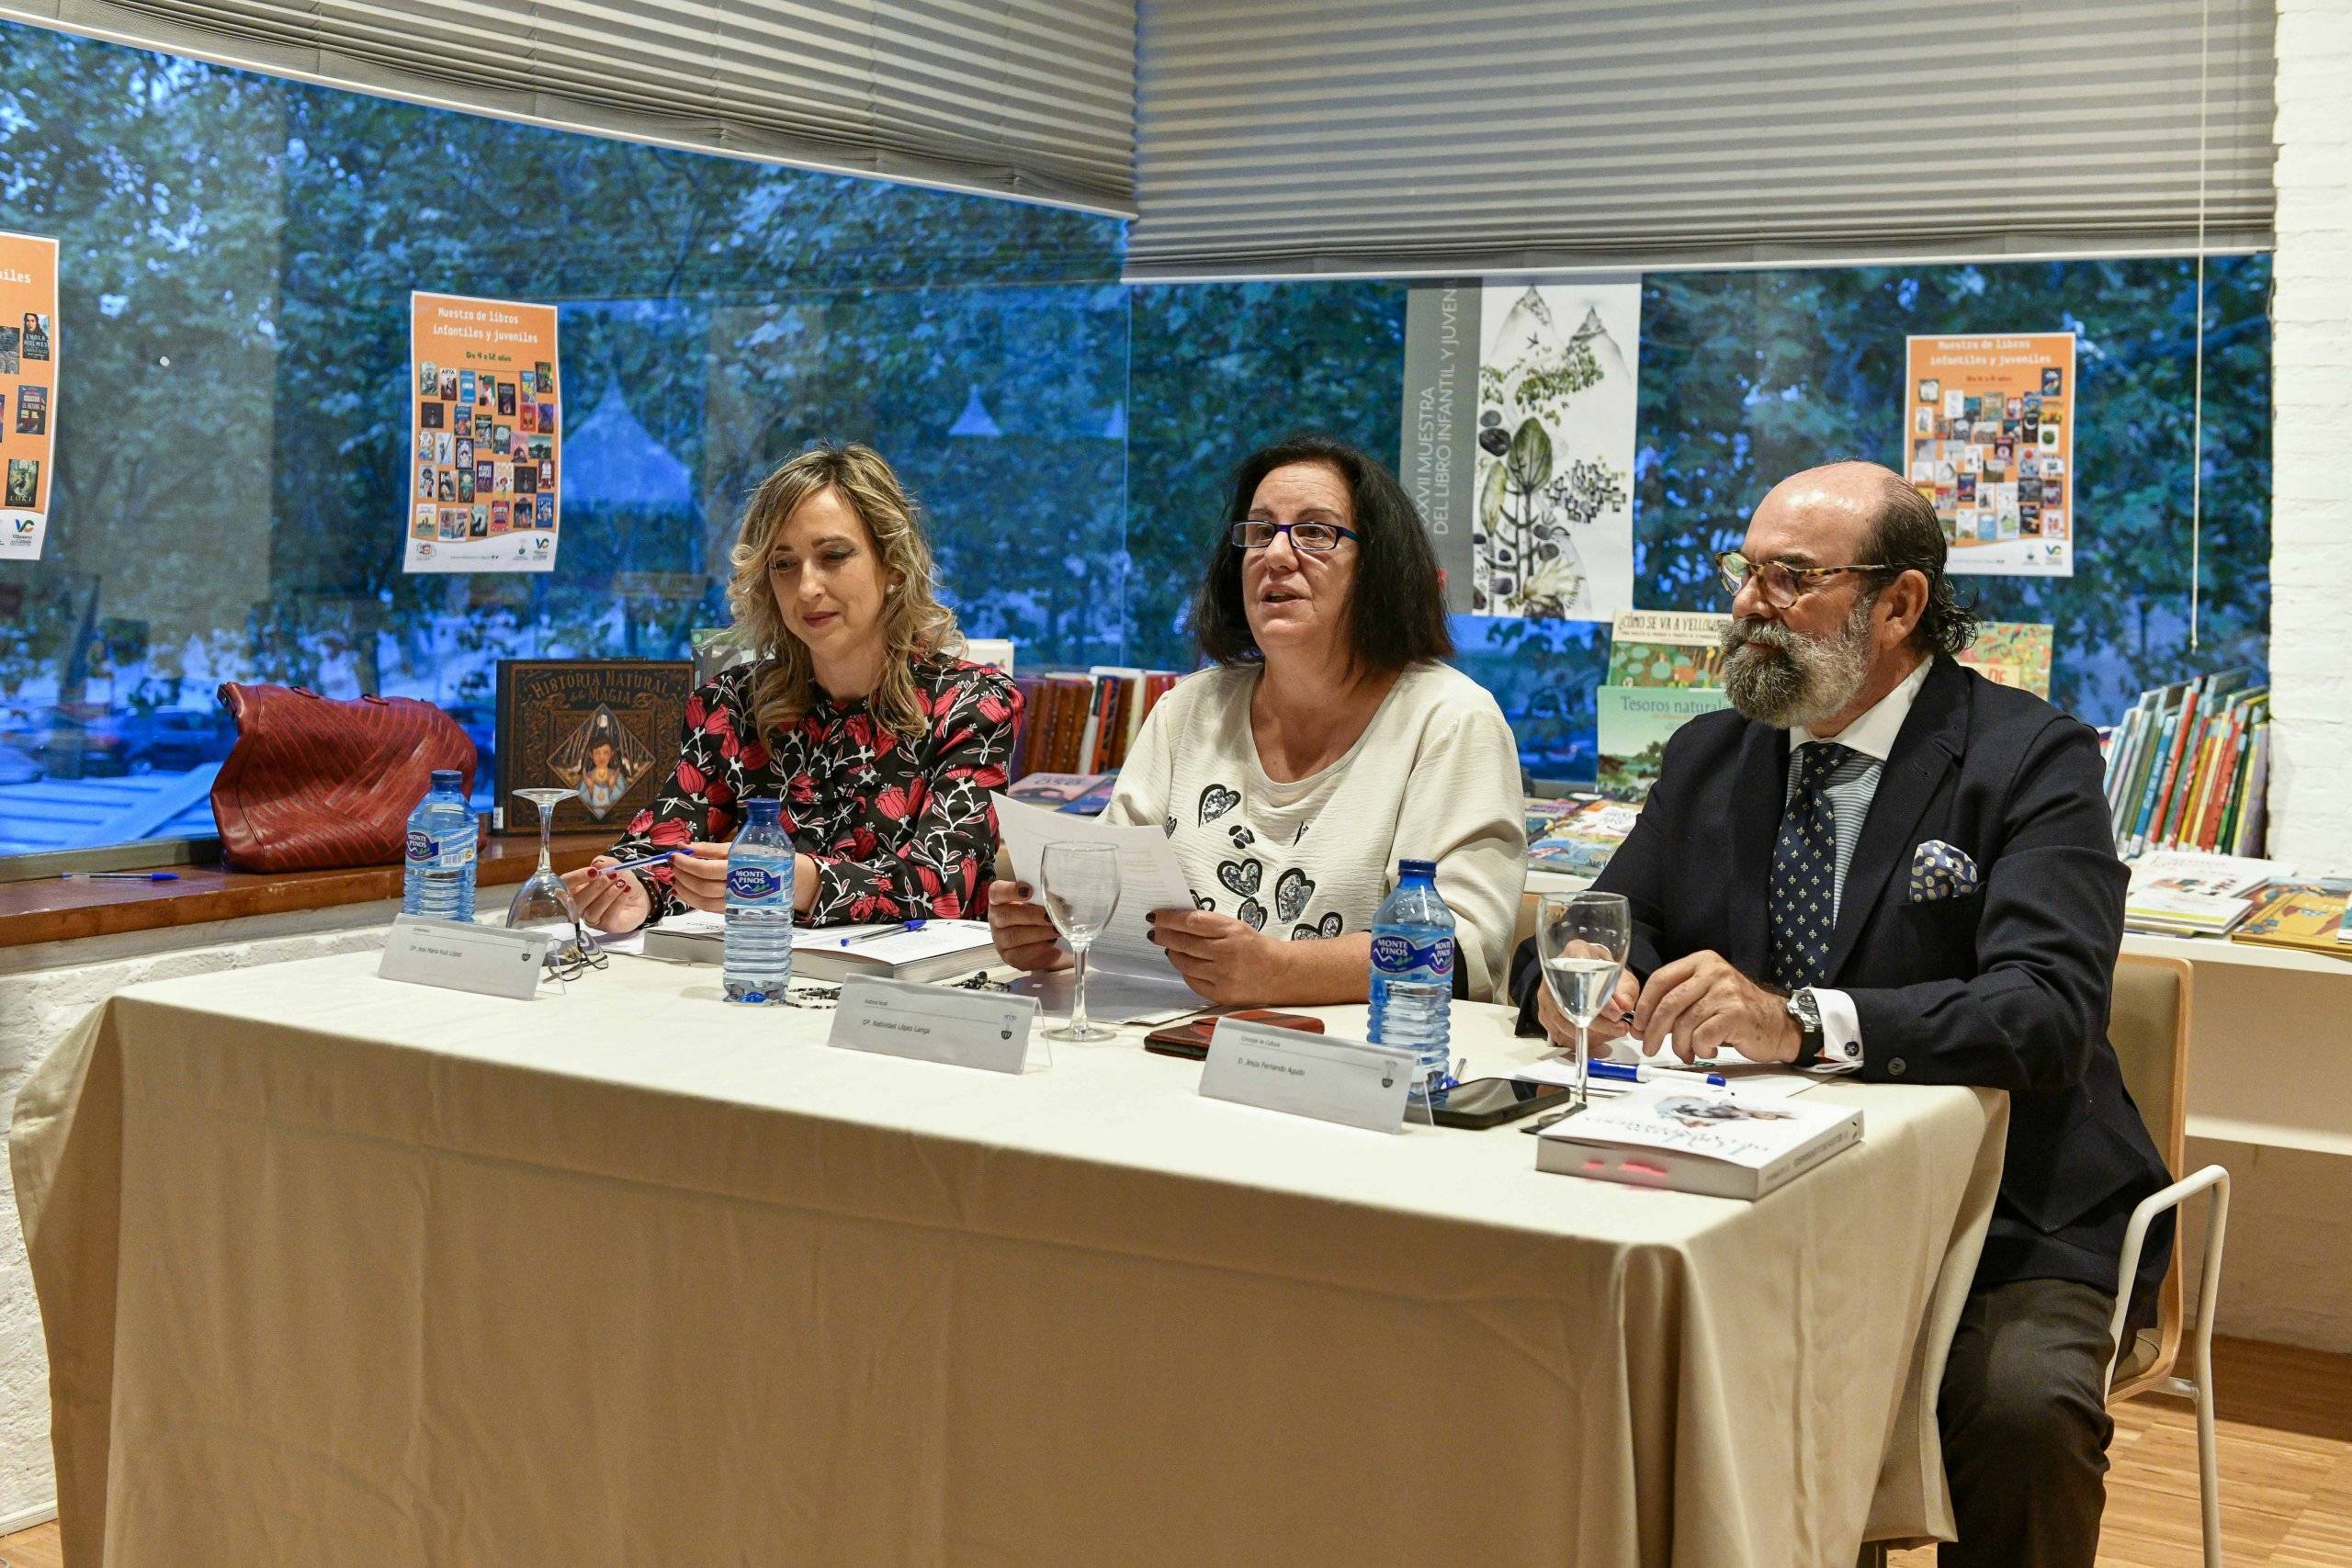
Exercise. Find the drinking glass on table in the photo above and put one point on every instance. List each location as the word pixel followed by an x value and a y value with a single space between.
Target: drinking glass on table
pixel 1079 884
pixel 543 903
pixel 1582 939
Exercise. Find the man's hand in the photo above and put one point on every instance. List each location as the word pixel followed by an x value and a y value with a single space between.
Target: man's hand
pixel 1705 1004
pixel 1220 958
pixel 1609 1026
pixel 1023 932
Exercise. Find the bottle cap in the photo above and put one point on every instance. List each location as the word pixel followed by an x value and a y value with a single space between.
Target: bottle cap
pixel 448 778
pixel 1405 868
pixel 763 808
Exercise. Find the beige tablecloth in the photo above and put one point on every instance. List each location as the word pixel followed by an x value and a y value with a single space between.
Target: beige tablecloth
pixel 336 1270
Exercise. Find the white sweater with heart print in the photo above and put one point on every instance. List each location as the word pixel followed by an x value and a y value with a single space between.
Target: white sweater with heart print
pixel 1435 776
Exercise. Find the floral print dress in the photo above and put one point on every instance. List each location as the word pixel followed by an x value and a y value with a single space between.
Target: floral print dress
pixel 899 829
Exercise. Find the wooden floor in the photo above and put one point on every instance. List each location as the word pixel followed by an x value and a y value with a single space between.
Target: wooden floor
pixel 2286 1438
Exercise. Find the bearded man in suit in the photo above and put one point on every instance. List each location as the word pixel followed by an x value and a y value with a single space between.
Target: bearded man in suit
pixel 1879 863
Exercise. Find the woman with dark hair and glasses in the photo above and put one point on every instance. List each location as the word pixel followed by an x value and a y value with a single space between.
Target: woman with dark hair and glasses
pixel 1326 741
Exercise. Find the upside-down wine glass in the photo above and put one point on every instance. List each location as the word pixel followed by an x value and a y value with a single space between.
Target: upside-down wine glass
pixel 1081 886
pixel 1582 939
pixel 543 903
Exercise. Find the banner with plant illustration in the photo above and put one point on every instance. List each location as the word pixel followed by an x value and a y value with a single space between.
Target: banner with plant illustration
pixel 1519 422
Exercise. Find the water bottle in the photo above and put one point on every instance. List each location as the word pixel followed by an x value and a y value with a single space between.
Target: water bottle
pixel 439 879
pixel 759 909
pixel 1412 969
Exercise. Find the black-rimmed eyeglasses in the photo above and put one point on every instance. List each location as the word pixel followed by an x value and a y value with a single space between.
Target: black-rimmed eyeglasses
pixel 1255 534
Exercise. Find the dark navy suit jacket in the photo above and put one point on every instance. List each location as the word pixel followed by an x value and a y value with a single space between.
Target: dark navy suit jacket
pixel 2005 987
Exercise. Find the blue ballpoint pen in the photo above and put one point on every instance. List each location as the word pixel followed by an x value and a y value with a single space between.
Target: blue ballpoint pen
pixel 886 930
pixel 119 875
pixel 1642 1072
pixel 641 863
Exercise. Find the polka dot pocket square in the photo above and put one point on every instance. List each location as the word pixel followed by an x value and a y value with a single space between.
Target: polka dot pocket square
pixel 1939 871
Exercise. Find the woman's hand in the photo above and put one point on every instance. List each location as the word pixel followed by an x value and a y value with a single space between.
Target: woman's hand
pixel 1222 958
pixel 698 875
pixel 607 899
pixel 1025 933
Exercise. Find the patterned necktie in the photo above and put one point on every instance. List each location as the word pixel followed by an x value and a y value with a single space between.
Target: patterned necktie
pixel 1803 907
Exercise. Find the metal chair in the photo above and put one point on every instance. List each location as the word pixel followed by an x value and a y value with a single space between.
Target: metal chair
pixel 2148 1023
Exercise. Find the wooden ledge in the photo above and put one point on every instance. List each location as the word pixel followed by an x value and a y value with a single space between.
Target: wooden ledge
pixel 60 910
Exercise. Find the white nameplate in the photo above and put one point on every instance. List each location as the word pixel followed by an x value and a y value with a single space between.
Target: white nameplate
pixel 1308 1075
pixel 934 1024
pixel 463 957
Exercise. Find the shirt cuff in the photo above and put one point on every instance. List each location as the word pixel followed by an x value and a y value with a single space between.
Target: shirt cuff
pixel 1841 1033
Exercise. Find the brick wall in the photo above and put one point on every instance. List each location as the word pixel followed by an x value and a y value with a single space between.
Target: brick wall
pixel 2311 560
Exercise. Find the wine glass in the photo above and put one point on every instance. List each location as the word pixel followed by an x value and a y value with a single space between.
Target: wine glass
pixel 1081 886
pixel 1582 939
pixel 543 902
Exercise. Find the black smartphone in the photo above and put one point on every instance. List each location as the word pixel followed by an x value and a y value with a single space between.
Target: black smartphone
pixel 1490 1102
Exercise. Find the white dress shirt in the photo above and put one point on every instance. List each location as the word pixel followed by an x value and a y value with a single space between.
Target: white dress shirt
pixel 1849 791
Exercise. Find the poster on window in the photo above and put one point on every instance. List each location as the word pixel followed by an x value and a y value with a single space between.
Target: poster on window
pixel 1989 428
pixel 28 390
pixel 486 448
pixel 1519 423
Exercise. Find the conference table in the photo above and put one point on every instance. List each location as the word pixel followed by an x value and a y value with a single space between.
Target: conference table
pixel 339 1270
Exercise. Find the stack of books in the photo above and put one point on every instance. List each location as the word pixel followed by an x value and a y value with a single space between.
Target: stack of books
pixel 2188 767
pixel 1078 722
pixel 2183 893
pixel 1578 841
pixel 2306 914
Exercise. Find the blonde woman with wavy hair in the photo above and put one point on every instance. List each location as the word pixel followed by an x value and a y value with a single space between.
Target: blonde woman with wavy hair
pixel 855 711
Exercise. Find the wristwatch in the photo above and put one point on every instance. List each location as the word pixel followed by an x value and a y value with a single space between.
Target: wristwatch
pixel 1807 1013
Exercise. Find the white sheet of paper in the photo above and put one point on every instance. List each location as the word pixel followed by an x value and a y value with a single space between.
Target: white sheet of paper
pixel 901 946
pixel 1149 878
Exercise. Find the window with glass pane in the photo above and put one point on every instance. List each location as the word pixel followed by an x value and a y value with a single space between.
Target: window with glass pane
pixel 1745 377
pixel 237 254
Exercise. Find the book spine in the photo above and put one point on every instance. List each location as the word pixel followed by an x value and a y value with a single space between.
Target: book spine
pixel 2193 777
pixel 2118 752
pixel 2205 821
pixel 2256 820
pixel 2224 785
pixel 2135 797
pixel 2153 784
pixel 1132 718
pixel 1069 716
pixel 2242 774
pixel 2121 788
pixel 1027 738
pixel 2233 802
pixel 1090 740
pixel 2184 736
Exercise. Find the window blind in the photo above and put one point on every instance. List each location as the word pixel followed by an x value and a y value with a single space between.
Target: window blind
pixel 1029 98
pixel 1392 137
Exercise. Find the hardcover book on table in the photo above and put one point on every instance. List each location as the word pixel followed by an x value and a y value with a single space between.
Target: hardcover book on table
pixel 605 728
pixel 1716 1143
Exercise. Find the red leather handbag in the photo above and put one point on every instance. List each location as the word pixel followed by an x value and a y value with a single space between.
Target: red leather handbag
pixel 320 783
